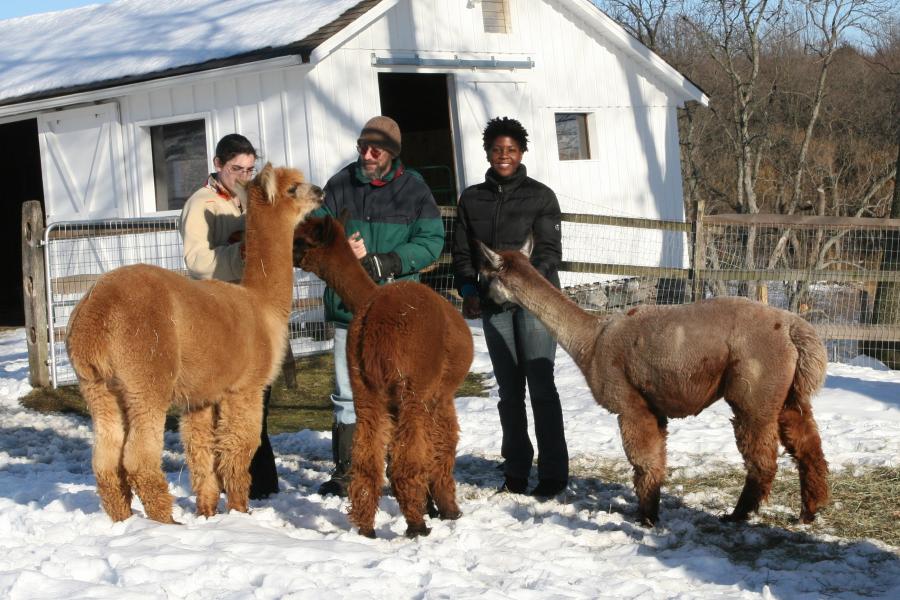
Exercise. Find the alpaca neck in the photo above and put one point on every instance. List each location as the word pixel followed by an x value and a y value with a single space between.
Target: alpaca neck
pixel 574 329
pixel 268 268
pixel 342 271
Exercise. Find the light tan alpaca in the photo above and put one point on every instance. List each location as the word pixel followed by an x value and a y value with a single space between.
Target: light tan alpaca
pixel 144 338
pixel 408 351
pixel 657 362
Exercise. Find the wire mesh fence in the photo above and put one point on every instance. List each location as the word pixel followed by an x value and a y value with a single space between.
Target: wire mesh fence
pixel 77 253
pixel 843 275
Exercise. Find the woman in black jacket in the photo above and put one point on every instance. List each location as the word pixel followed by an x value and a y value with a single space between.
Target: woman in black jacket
pixel 501 212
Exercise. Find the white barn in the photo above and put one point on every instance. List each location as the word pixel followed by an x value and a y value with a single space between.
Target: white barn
pixel 115 109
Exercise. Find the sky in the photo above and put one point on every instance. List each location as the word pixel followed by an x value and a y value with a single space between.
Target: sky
pixel 20 8
pixel 56 541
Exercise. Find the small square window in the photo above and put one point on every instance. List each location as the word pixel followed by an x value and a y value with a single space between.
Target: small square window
pixel 179 162
pixel 572 136
pixel 493 15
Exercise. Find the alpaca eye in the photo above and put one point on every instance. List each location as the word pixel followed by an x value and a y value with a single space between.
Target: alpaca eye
pixel 293 189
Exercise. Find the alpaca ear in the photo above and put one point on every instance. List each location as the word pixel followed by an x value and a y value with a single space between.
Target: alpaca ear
pixel 344 217
pixel 491 257
pixel 268 183
pixel 528 246
pixel 329 229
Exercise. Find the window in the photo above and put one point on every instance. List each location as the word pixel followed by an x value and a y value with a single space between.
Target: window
pixel 179 162
pixel 493 15
pixel 572 136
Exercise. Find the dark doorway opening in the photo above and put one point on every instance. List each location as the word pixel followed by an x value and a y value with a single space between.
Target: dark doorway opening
pixel 421 106
pixel 20 172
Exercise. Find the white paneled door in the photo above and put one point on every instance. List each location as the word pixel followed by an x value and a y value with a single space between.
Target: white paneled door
pixel 81 154
pixel 478 101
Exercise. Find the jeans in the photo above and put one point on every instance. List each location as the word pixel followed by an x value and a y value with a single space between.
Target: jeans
pixel 342 398
pixel 522 351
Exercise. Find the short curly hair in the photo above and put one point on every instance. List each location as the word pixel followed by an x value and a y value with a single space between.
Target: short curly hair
pixel 504 126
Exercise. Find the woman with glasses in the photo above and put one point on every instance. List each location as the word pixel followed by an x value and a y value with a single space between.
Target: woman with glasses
pixel 502 212
pixel 212 227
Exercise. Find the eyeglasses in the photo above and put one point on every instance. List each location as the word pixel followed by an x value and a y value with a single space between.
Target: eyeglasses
pixel 374 150
pixel 238 170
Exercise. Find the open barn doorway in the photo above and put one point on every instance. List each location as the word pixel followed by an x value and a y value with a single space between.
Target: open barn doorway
pixel 420 104
pixel 20 172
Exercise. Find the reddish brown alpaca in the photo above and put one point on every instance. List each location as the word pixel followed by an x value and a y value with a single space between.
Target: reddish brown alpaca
pixel 408 350
pixel 143 338
pixel 657 362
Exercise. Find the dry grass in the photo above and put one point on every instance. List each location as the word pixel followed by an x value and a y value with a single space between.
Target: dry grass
pixel 306 406
pixel 864 501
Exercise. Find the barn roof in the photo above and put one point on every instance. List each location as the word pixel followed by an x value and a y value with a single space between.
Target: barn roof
pixel 127 41
pixel 130 41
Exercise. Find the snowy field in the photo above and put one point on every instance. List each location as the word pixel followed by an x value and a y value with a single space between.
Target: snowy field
pixel 58 543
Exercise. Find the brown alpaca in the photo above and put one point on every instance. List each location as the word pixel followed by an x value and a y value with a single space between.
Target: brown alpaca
pixel 657 362
pixel 408 350
pixel 144 338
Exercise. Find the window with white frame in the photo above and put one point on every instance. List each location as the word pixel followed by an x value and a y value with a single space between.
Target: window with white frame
pixel 179 161
pixel 494 15
pixel 572 137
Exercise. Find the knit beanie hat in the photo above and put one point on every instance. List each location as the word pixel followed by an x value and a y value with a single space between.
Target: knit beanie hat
pixel 382 132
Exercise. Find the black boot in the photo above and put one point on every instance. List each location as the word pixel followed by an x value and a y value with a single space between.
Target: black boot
pixel 263 475
pixel 341 450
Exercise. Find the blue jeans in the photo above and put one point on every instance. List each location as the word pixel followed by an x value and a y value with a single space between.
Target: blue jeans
pixel 342 398
pixel 522 351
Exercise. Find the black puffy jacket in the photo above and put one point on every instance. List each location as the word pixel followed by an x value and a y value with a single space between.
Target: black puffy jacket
pixel 501 213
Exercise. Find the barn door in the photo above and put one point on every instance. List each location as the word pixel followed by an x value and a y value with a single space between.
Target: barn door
pixel 477 102
pixel 81 157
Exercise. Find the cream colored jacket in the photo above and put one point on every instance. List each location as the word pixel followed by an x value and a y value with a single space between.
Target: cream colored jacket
pixel 207 220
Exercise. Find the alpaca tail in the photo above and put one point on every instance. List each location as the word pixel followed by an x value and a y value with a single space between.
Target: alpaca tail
pixel 797 427
pixel 87 343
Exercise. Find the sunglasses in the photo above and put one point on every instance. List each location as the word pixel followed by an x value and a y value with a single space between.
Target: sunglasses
pixel 376 152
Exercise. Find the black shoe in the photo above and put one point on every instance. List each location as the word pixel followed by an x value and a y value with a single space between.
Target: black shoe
pixel 514 485
pixel 336 486
pixel 547 488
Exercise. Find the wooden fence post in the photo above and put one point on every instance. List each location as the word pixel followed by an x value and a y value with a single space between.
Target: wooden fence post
pixel 35 292
pixel 699 253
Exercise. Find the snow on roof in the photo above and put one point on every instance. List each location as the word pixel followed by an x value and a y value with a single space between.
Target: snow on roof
pixel 128 38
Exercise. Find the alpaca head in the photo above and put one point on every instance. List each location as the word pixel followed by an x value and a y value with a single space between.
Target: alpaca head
pixel 495 269
pixel 282 191
pixel 314 241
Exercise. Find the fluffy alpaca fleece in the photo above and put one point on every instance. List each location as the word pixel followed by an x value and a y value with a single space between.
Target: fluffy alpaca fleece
pixel 658 362
pixel 144 338
pixel 408 350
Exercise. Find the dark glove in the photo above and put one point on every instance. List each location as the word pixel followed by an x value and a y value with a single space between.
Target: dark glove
pixel 382 265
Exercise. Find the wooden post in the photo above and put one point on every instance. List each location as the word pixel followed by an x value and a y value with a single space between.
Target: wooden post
pixel 289 368
pixel 699 253
pixel 35 292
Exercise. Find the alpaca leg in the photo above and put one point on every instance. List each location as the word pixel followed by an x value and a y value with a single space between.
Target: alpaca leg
pixel 444 432
pixel 800 437
pixel 237 438
pixel 198 439
pixel 143 453
pixel 109 441
pixel 757 442
pixel 644 440
pixel 411 465
pixel 367 461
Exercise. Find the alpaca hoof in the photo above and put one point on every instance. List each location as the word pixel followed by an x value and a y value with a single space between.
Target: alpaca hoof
pixel 414 531
pixel 806 518
pixel 645 520
pixel 734 518
pixel 451 515
pixel 206 512
pixel 368 532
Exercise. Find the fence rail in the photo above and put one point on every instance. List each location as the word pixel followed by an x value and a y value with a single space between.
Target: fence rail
pixel 842 274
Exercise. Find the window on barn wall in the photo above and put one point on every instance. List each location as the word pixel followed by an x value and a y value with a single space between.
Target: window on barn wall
pixel 572 136
pixel 179 161
pixel 494 15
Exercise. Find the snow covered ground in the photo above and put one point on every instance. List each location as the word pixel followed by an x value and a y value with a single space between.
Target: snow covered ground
pixel 58 543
